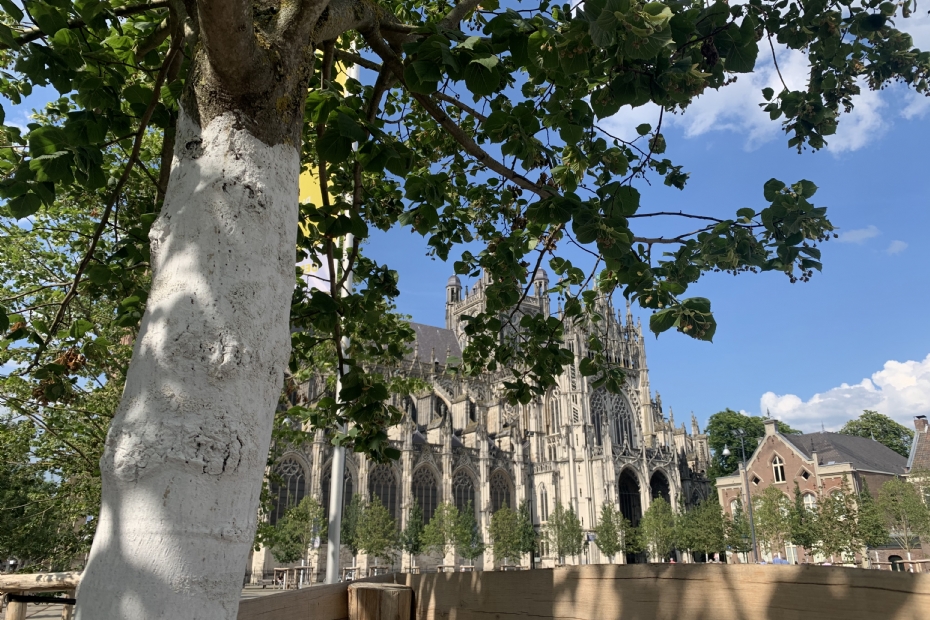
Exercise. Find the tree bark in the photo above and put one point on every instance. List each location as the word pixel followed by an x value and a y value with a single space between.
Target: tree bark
pixel 185 454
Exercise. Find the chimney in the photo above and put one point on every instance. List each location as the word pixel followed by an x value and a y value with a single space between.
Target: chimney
pixel 770 427
pixel 920 423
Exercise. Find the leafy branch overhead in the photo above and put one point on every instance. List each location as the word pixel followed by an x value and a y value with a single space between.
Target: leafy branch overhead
pixel 476 124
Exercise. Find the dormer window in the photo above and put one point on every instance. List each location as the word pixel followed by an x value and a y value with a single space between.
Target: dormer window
pixel 778 467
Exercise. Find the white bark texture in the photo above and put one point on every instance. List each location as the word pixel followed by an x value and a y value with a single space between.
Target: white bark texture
pixel 185 455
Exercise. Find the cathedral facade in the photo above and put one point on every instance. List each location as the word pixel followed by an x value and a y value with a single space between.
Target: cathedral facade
pixel 460 441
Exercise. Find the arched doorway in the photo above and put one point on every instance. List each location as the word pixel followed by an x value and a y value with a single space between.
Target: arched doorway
pixel 897 562
pixel 660 487
pixel 630 505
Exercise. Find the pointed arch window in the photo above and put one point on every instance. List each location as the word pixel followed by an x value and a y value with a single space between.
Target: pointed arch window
pixel 463 490
pixel 543 503
pixel 778 467
pixel 287 486
pixel 500 491
pixel 425 492
pixel 348 489
pixel 383 484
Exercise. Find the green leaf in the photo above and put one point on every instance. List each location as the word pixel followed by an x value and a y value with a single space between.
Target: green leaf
pixel 12 9
pixel 98 274
pixel 24 206
pixel 48 18
pixel 333 147
pixel 79 328
pixel 805 188
pixel 46 141
pixel 768 93
pixel 644 129
pixel 772 188
pixel 663 320
pixel 481 80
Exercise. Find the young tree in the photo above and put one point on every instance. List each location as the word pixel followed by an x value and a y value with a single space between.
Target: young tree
pixel 244 98
pixel 702 528
pixel 803 522
pixel 376 532
pixel 881 428
pixel 468 538
pixel 411 539
pixel 442 533
pixel 295 532
pixel 609 530
pixel 529 539
pixel 872 528
pixel 770 511
pixel 505 533
pixel 563 532
pixel 838 534
pixel 905 513
pixel 658 530
pixel 351 516
pixel 738 530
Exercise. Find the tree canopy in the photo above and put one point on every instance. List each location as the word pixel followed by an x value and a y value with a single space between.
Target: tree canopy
pixel 720 430
pixel 881 428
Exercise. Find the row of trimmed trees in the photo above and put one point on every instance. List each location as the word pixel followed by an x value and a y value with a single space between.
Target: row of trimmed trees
pixel 841 523
pixel 835 525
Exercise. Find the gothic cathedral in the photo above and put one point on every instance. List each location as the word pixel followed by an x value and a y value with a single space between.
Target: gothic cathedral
pixel 461 442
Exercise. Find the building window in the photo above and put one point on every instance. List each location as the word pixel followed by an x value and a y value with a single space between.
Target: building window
pixel 810 502
pixel 425 492
pixel 806 474
pixel 734 506
pixel 543 503
pixel 756 480
pixel 500 491
pixel 347 489
pixel 463 490
pixel 778 466
pixel 288 487
pixel 383 485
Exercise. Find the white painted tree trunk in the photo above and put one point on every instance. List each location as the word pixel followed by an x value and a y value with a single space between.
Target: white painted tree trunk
pixel 185 455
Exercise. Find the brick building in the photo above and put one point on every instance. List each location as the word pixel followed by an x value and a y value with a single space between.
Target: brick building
pixel 818 462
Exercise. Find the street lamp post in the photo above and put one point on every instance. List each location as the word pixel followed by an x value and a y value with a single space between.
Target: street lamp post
pixel 741 434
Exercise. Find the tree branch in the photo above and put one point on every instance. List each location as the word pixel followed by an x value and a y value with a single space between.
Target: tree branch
pixel 345 56
pixel 117 191
pixel 228 37
pixel 373 37
pixel 35 33
pixel 461 106
pixel 458 13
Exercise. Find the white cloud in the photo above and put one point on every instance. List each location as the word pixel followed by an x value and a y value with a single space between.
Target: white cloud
pixel 917 105
pixel 864 124
pixel 735 108
pixel 896 247
pixel 900 390
pixel 859 235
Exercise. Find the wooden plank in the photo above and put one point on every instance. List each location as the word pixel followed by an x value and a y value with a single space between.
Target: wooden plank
pixel 380 601
pixel 319 602
pixel 40 582
pixel 674 592
pixel 15 610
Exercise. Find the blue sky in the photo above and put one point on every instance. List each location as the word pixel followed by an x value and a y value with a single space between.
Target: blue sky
pixel 813 354
pixel 855 337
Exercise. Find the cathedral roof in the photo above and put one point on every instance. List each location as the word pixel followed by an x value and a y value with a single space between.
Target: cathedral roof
pixel 454 281
pixel 436 340
pixel 864 454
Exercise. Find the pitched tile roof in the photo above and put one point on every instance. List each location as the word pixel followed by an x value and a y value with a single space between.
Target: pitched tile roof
pixel 863 454
pixel 436 339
